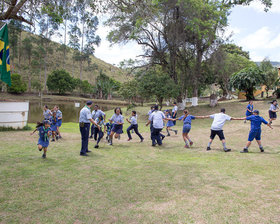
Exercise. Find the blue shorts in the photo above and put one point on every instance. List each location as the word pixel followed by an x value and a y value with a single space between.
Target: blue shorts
pixel 43 143
pixel 117 128
pixel 254 135
pixel 59 123
pixel 186 128
pixel 53 127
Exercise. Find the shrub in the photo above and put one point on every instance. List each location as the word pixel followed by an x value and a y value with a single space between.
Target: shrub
pixel 18 85
pixel 60 81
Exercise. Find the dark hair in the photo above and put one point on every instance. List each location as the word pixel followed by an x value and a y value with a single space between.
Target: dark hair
pixel 101 118
pixel 223 110
pixel 134 111
pixel 119 109
pixel 46 106
pixel 152 107
pixel 274 101
pixel 174 103
pixel 156 107
pixel 39 124
pixel 96 105
pixel 186 111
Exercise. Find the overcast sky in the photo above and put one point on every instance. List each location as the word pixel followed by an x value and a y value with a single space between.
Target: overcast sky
pixel 255 30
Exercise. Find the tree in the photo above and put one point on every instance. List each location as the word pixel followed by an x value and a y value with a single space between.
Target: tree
pixel 155 83
pixel 129 90
pixel 177 35
pixel 60 81
pixel 105 86
pixel 270 74
pixel 247 80
pixel 18 86
pixel 223 63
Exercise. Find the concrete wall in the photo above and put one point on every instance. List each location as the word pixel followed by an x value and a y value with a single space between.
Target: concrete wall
pixel 14 114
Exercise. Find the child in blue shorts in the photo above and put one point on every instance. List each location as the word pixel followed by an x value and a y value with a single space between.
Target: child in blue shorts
pixel 53 126
pixel 44 134
pixel 108 127
pixel 249 109
pixel 255 132
pixel 170 123
pixel 187 119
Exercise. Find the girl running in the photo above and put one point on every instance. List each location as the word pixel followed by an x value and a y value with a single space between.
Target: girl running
pixel 272 111
pixel 118 121
pixel 44 134
pixel 100 122
pixel 170 123
pixel 187 119
pixel 108 128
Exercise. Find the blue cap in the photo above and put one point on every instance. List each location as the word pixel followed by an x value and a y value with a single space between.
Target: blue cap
pixel 89 102
pixel 256 112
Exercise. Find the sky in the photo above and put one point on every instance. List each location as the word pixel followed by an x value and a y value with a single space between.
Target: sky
pixel 253 29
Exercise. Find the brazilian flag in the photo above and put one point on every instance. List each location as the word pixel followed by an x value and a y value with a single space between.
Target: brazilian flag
pixel 5 73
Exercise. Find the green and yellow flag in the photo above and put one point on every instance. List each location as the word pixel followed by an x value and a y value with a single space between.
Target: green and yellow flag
pixel 5 73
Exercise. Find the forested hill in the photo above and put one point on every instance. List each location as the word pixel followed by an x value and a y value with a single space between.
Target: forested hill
pixel 34 58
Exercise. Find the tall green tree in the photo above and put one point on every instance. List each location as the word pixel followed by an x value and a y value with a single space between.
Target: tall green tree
pixel 60 81
pixel 270 74
pixel 247 80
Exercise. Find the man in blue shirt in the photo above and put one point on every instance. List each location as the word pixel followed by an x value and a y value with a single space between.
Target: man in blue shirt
pixel 84 121
pixel 255 132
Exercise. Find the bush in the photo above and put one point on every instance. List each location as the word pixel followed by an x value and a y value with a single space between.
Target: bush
pixel 60 81
pixel 18 85
pixel 277 93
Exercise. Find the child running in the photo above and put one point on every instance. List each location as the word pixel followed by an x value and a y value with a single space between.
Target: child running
pixel 249 109
pixel 217 128
pixel 44 134
pixel 255 132
pixel 108 128
pixel 58 121
pixel 118 121
pixel 170 123
pixel 100 122
pixel 187 119
pixel 272 111
pixel 133 126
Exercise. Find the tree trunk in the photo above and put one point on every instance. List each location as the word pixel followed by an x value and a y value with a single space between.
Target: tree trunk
pixel 160 100
pixel 82 49
pixel 65 39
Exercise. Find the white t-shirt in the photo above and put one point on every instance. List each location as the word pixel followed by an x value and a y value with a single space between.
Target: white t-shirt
pixel 175 108
pixel 219 121
pixel 157 118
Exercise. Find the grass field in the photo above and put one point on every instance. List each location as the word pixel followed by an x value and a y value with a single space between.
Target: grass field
pixel 133 182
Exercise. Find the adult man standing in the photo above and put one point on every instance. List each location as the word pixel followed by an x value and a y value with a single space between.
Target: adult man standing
pixel 84 122
pixel 156 118
pixel 217 128
pixel 96 113
pixel 174 112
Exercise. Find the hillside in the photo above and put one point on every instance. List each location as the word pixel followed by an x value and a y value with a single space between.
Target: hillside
pixel 275 64
pixel 20 62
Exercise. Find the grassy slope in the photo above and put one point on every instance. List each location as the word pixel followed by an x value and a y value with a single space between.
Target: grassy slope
pixel 135 183
pixel 55 61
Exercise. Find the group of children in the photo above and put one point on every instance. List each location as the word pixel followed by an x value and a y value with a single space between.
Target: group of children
pixel 114 128
pixel 49 127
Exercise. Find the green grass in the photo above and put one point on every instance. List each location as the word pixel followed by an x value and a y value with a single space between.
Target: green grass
pixel 136 183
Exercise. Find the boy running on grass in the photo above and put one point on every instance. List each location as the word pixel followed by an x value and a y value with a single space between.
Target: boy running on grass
pixel 255 132
pixel 272 111
pixel 217 128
